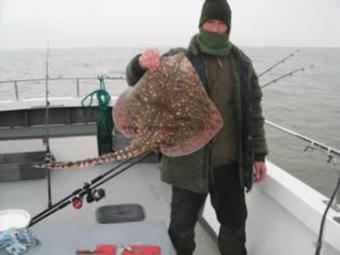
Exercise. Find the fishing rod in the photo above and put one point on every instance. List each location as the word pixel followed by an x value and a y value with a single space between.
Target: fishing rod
pixel 313 144
pixel 322 225
pixel 279 62
pixel 48 156
pixel 286 75
pixel 89 190
pixel 334 200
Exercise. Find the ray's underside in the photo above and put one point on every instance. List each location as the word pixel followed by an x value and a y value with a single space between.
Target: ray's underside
pixel 167 109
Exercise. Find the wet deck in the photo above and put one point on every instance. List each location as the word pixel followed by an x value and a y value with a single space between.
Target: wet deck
pixel 140 184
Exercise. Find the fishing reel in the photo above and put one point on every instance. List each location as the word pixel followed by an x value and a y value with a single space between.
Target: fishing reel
pixel 91 196
pixel 95 195
pixel 77 202
pixel 49 157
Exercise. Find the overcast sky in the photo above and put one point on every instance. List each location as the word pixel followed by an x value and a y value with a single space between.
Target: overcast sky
pixel 145 23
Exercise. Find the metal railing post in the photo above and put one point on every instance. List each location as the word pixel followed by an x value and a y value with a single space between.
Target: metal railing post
pixel 16 90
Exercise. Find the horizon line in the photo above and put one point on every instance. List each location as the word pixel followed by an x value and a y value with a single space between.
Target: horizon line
pixel 163 46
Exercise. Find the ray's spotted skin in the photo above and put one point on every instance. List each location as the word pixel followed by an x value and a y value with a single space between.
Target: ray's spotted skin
pixel 168 109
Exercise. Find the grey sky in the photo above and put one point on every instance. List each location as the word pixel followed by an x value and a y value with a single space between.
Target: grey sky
pixel 145 23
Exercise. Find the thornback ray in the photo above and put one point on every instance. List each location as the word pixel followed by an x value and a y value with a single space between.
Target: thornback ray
pixel 167 110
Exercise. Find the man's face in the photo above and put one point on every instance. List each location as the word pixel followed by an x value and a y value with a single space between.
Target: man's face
pixel 215 26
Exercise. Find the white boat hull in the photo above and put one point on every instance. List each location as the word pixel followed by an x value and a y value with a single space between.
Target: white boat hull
pixel 284 217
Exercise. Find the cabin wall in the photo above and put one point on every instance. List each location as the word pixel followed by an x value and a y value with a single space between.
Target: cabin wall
pixel 63 148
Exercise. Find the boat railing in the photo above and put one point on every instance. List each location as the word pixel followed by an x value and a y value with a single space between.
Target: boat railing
pixel 332 154
pixel 77 82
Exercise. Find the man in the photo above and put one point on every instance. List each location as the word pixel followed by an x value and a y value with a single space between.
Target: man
pixel 225 166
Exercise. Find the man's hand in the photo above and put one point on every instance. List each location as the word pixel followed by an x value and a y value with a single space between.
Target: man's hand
pixel 150 59
pixel 260 171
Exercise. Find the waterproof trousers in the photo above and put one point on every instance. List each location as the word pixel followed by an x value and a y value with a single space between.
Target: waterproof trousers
pixel 227 198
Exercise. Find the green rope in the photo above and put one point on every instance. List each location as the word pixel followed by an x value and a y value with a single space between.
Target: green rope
pixel 103 98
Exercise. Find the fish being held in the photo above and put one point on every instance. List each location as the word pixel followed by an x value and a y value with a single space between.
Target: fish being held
pixel 167 110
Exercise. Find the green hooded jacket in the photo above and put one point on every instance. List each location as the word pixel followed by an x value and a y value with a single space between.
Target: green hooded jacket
pixel 192 171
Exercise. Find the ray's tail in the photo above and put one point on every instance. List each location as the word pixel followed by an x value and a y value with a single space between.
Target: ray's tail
pixel 131 151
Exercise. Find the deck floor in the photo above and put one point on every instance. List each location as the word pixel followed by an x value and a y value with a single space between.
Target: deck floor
pixel 140 184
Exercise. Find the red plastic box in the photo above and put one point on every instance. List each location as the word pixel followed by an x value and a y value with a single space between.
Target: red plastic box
pixel 143 250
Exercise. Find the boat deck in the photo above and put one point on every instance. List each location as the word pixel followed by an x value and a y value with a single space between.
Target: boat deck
pixel 140 184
